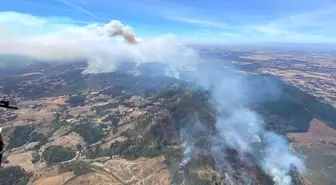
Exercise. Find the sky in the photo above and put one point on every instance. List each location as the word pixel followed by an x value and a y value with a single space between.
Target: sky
pixel 222 21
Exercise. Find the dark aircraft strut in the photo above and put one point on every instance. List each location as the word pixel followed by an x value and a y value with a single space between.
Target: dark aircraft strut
pixel 5 104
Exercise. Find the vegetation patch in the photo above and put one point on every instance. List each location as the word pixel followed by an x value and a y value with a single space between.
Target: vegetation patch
pixel 42 142
pixel 24 134
pixel 132 149
pixel 56 154
pixel 36 157
pixel 295 116
pixel 102 108
pixel 77 100
pixel 79 168
pixel 13 176
pixel 57 124
pixel 89 132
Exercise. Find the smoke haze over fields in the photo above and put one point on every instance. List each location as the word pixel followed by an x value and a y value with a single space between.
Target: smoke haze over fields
pixel 240 128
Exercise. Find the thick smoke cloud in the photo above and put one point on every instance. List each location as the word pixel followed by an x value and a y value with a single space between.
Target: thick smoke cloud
pixel 239 127
pixel 50 40
pixel 116 28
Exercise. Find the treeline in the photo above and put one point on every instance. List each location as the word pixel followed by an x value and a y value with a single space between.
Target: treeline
pixel 77 167
pixel 13 176
pixel 319 109
pixel 89 132
pixel 56 154
pixel 293 117
pixel 24 134
pixel 77 100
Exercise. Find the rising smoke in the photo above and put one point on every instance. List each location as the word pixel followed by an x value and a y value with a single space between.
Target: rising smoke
pixel 116 28
pixel 51 41
pixel 239 127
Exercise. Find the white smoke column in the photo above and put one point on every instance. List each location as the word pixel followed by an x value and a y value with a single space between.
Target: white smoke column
pixel 194 130
pixel 278 159
pixel 187 155
pixel 241 128
pixel 116 28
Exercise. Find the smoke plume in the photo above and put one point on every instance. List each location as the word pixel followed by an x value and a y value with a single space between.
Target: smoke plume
pixel 116 28
pixel 238 127
pixel 242 129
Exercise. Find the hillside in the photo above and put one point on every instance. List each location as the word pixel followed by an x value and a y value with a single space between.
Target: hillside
pixel 117 128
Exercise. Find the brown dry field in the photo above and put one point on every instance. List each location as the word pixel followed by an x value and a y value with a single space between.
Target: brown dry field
pixel 317 132
pixel 70 140
pixel 21 159
pixel 140 171
pixel 54 180
pixel 318 145
pixel 106 145
pixel 44 116
pixel 94 178
pixel 114 172
pixel 291 73
pixel 321 59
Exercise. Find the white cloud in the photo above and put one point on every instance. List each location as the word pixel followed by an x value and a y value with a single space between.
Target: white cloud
pixel 230 34
pixel 319 19
pixel 315 26
pixel 273 34
pixel 23 19
pixel 201 22
pixel 180 12
pixel 268 30
pixel 76 7
pixel 204 32
pixel 312 25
